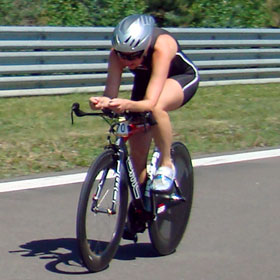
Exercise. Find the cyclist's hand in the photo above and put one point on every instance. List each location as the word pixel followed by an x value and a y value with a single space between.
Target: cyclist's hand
pixel 99 102
pixel 118 105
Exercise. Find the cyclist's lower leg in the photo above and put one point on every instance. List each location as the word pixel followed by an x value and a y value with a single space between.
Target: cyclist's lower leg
pixel 162 132
pixel 139 150
pixel 162 135
pixel 137 217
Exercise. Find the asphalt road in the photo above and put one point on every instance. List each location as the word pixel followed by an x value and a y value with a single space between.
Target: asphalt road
pixel 233 232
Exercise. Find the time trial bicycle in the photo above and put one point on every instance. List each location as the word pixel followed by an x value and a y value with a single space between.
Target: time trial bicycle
pixel 103 204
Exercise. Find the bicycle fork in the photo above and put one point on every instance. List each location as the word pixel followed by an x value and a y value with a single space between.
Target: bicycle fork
pixel 97 199
pixel 118 173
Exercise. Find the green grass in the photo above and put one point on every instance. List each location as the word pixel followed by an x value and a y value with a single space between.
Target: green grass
pixel 36 134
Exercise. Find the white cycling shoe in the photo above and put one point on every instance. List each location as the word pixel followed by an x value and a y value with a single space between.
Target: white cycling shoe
pixel 163 180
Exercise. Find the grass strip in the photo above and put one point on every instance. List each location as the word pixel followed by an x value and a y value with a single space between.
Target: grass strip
pixel 36 134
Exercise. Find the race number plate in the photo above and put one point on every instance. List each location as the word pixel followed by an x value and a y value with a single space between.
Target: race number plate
pixel 123 129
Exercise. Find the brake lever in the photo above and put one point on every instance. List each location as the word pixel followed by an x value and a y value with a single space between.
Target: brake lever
pixel 72 118
pixel 79 113
pixel 75 109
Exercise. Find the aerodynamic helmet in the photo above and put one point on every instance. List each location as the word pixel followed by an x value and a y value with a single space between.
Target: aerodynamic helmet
pixel 133 33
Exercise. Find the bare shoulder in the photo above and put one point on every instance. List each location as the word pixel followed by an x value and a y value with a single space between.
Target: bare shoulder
pixel 167 44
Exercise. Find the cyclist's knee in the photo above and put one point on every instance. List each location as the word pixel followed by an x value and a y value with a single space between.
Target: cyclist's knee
pixel 160 113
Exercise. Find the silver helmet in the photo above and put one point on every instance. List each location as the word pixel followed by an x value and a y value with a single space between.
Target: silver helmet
pixel 133 33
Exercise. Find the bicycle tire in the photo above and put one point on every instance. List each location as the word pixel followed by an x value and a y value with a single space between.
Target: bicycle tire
pixel 167 229
pixel 98 244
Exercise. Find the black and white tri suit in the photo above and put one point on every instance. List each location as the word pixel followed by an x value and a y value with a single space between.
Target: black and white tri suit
pixel 181 69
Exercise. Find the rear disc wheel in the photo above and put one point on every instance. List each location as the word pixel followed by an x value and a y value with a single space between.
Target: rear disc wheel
pixel 168 227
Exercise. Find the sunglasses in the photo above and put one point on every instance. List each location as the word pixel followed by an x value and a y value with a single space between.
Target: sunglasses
pixel 130 56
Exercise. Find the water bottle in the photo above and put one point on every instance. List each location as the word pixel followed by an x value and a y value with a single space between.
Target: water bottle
pixel 151 173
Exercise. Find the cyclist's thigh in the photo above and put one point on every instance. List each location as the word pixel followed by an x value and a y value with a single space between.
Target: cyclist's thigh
pixel 189 84
pixel 172 96
pixel 177 91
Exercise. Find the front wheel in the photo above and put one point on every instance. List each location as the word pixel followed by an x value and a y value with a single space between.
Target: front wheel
pixel 101 213
pixel 168 227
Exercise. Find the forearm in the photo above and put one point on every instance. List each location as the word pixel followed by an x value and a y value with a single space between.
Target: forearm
pixel 111 91
pixel 139 106
pixel 113 79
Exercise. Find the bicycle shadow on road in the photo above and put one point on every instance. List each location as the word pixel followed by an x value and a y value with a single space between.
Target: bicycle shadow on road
pixel 133 251
pixel 62 252
pixel 64 256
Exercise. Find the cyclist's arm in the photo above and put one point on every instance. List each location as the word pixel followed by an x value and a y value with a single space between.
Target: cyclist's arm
pixel 112 85
pixel 165 50
pixel 113 81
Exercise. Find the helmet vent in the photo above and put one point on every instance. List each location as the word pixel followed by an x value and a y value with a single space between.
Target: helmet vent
pixel 133 33
pixel 126 41
pixel 137 43
pixel 132 42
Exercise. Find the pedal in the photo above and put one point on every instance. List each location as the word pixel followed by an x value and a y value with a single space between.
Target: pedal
pixel 163 193
pixel 166 201
pixel 175 197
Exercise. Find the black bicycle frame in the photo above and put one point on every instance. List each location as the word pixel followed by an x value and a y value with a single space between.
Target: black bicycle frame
pixel 125 161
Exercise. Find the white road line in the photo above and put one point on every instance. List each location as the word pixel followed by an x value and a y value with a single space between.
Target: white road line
pixel 78 178
pixel 236 157
pixel 42 182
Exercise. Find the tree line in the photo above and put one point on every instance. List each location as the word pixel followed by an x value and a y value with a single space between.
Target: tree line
pixel 168 13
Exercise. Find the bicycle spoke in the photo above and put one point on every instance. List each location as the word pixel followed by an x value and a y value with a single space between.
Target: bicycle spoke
pixel 99 229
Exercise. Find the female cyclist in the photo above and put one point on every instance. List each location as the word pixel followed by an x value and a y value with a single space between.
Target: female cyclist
pixel 164 80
